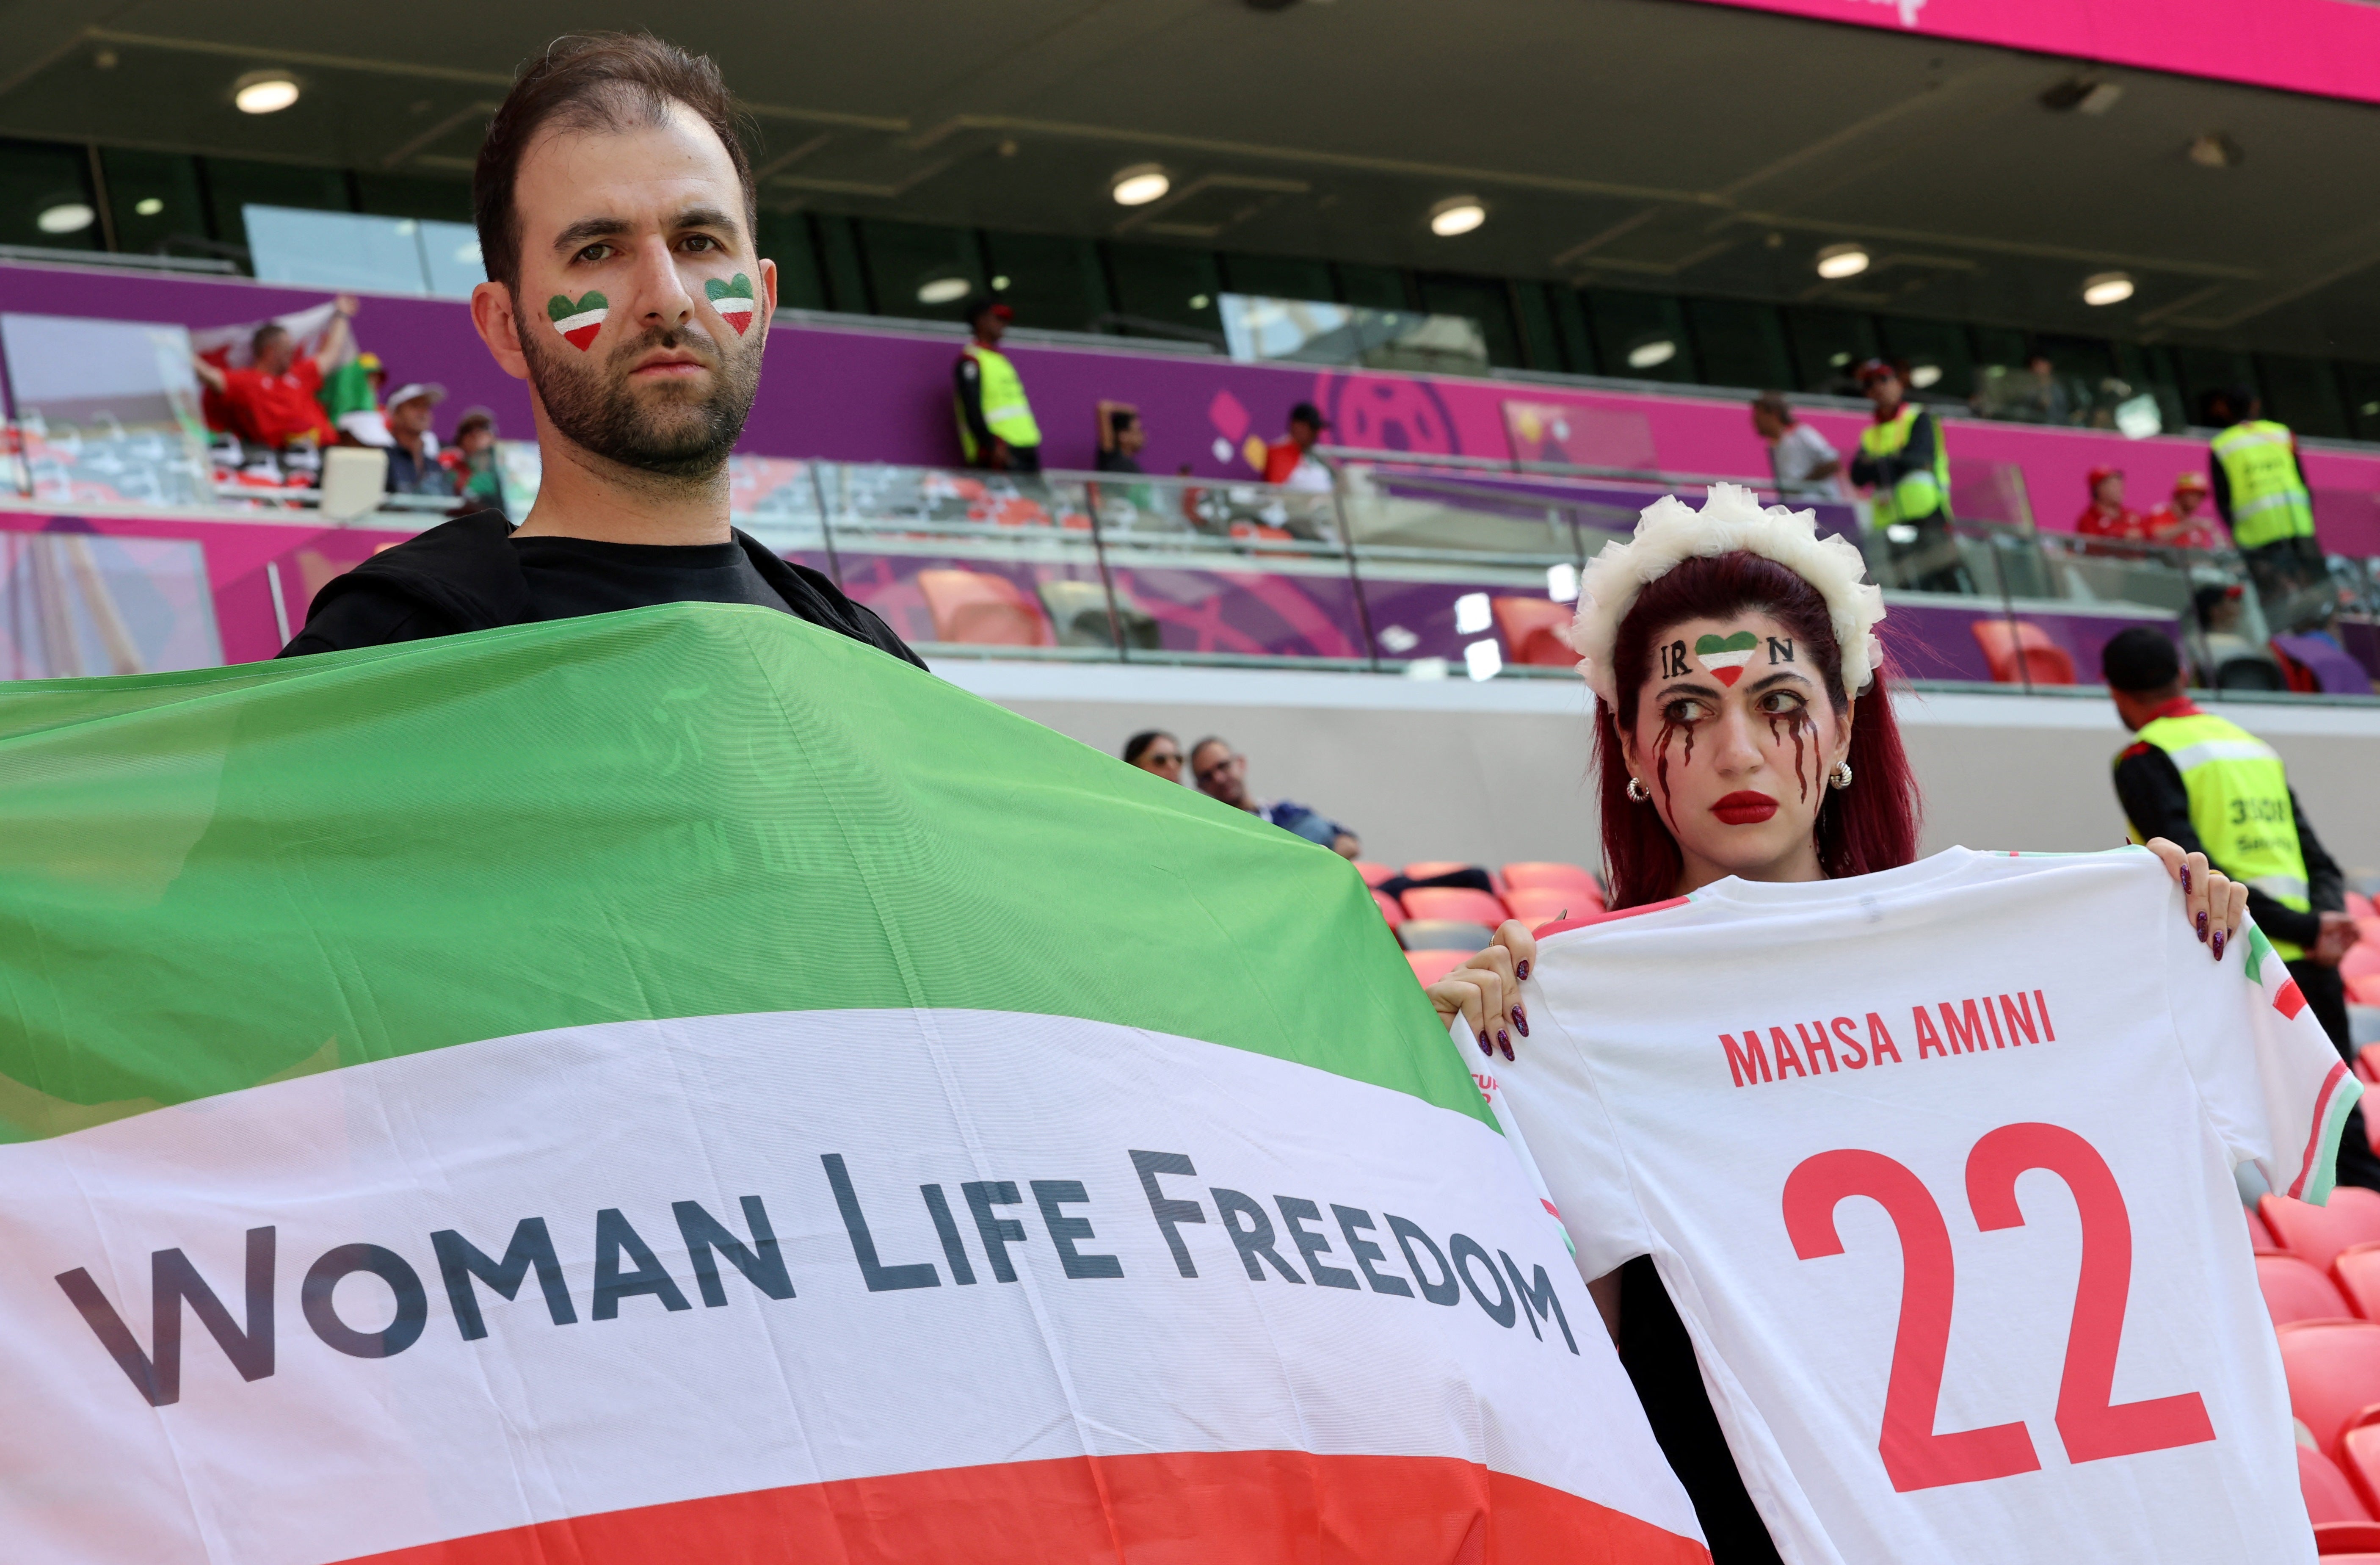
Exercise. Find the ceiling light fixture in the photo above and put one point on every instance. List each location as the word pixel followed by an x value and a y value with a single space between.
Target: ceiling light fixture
pixel 1839 262
pixel 67 217
pixel 1457 214
pixel 2107 287
pixel 1924 375
pixel 942 290
pixel 1652 355
pixel 149 206
pixel 1139 184
pixel 263 93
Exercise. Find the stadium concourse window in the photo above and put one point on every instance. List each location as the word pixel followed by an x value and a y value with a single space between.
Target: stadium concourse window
pixel 1164 291
pixel 1374 287
pixel 1941 365
pixel 2361 383
pixel 233 184
pixel 1280 277
pixel 2205 371
pixel 922 271
pixel 46 198
pixel 785 238
pixel 1740 344
pixel 157 203
pixel 1826 345
pixel 2302 394
pixel 1054 283
pixel 1483 299
pixel 1641 336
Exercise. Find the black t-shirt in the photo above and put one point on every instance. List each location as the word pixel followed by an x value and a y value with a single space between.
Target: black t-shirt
pixel 569 577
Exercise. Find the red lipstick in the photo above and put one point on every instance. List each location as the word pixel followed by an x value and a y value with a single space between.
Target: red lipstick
pixel 1745 807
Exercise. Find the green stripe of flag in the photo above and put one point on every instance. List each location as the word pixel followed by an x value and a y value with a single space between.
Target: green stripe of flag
pixel 216 878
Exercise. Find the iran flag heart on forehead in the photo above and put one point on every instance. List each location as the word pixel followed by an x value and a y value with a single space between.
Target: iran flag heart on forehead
pixel 732 300
pixel 578 322
pixel 1725 656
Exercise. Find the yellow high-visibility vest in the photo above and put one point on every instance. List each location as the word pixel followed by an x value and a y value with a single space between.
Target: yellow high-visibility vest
pixel 2240 806
pixel 1005 411
pixel 2269 501
pixel 1918 495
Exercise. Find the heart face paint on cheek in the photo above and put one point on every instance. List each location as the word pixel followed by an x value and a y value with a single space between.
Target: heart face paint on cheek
pixel 578 322
pixel 1724 656
pixel 734 300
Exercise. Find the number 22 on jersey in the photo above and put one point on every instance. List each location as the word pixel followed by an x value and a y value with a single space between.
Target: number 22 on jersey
pixel 2091 1426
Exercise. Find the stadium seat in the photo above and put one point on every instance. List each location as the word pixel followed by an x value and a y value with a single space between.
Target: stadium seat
pixel 2360 906
pixel 2329 1495
pixel 2356 1272
pixel 2294 1291
pixel 1533 906
pixel 2359 1457
pixel 2334 1375
pixel 1389 908
pixel 1443 934
pixel 1431 965
pixel 2367 1061
pixel 2341 1541
pixel 1534 631
pixel 1430 868
pixel 2364 988
pixel 2021 652
pixel 2362 959
pixel 1454 902
pixel 2260 1237
pixel 1543 872
pixel 2316 1234
pixel 1373 874
pixel 981 609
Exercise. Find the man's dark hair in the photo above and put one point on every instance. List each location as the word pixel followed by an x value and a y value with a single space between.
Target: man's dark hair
pixel 594 81
pixel 1773 403
pixel 1210 739
pixel 264 334
pixel 2140 662
pixel 1121 419
pixel 1138 745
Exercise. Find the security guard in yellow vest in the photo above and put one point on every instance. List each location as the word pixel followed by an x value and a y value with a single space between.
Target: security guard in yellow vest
pixel 2261 492
pixel 1903 458
pixel 2212 786
pixel 996 427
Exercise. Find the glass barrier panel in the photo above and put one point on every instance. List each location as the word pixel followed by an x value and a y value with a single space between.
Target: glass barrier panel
pixel 776 500
pixel 82 603
pixel 971 562
pixel 107 411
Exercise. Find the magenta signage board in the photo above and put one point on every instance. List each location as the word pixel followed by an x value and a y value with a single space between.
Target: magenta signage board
pixel 2330 47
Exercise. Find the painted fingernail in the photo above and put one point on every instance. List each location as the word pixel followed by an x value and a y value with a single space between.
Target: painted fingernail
pixel 2202 929
pixel 1522 972
pixel 1488 1049
pixel 2218 945
pixel 1507 1048
pixel 2185 879
pixel 1505 1038
pixel 1520 1021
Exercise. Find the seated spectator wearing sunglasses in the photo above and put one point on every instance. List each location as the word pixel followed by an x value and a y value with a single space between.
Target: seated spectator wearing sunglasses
pixel 1222 774
pixel 1153 749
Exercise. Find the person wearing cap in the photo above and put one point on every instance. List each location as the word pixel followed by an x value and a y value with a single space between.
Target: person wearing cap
pixel 2261 494
pixel 351 394
pixel 413 465
pixel 2207 783
pixel 2108 516
pixel 1902 460
pixel 2183 522
pixel 1290 462
pixel 996 427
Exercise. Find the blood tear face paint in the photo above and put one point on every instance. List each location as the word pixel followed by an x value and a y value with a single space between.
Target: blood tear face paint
pixel 578 321
pixel 734 300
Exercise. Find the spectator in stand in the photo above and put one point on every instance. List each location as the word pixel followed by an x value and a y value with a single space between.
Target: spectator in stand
pixel 472 459
pixel 2045 401
pixel 1291 463
pixel 1222 774
pixel 2261 494
pixel 2108 516
pixel 1903 461
pixel 2213 787
pixel 996 427
pixel 1121 438
pixel 1153 749
pixel 351 394
pixel 272 400
pixel 2183 522
pixel 413 464
pixel 1804 465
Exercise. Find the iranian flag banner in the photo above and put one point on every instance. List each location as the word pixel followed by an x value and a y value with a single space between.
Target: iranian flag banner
pixel 684 1086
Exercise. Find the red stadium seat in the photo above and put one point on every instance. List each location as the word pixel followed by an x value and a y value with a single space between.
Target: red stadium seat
pixel 982 609
pixel 2362 959
pixel 2294 1291
pixel 1535 631
pixel 1455 902
pixel 2360 906
pixel 2347 1540
pixel 2356 1273
pixel 1533 906
pixel 1430 868
pixel 1546 873
pixel 1431 965
pixel 2329 1495
pixel 2334 1374
pixel 2363 989
pixel 2259 1236
pixel 1373 874
pixel 2367 1059
pixel 2359 1457
pixel 1389 908
pixel 2021 652
pixel 2316 1234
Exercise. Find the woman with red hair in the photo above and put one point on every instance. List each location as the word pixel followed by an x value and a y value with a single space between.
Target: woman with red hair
pixel 1743 727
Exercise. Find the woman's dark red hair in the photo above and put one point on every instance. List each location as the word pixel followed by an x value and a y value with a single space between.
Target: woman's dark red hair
pixel 1871 825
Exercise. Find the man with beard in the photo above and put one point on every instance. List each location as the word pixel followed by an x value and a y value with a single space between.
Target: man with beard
pixel 617 212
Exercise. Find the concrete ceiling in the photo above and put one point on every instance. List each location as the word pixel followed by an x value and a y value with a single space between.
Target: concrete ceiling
pixel 1645 143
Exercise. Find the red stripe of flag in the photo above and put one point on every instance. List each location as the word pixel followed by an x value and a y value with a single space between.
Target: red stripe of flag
pixel 2330 1084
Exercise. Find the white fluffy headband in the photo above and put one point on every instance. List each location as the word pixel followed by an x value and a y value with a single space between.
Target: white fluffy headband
pixel 1731 518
